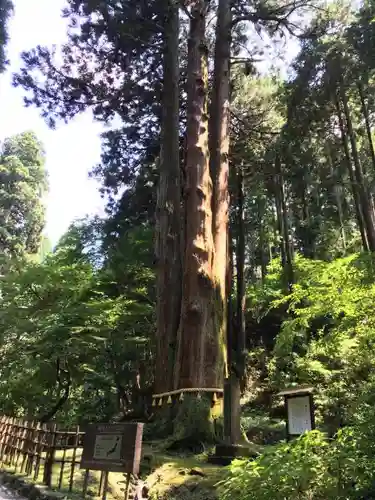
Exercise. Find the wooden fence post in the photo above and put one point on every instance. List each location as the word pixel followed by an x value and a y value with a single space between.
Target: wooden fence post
pixel 39 448
pixel 9 442
pixel 64 445
pixel 85 482
pixel 50 458
pixel 30 449
pixel 73 465
pixel 4 422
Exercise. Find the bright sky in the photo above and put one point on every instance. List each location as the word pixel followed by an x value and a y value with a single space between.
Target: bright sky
pixel 71 150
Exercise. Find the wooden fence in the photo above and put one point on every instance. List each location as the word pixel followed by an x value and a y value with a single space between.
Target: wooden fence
pixel 48 455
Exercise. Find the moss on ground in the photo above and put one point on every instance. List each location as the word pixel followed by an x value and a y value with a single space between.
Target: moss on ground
pixel 166 475
pixel 182 477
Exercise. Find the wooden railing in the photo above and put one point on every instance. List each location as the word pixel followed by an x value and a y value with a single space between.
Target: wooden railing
pixel 48 455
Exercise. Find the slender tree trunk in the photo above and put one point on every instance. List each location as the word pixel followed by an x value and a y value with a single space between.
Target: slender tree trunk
pixel 279 224
pixel 307 241
pixel 356 198
pixel 64 383
pixel 305 206
pixel 367 122
pixel 364 195
pixel 240 349
pixel 231 335
pixel 263 256
pixel 219 168
pixel 263 263
pixel 168 250
pixel 337 190
pixel 288 264
pixel 232 390
pixel 275 227
pixel 197 311
pixel 236 331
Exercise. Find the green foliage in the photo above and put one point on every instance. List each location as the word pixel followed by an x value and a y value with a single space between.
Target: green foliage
pixel 294 471
pixel 22 184
pixel 260 428
pixel 65 327
pixel 327 332
pixel 340 294
pixel 313 467
pixel 82 319
pixel 6 7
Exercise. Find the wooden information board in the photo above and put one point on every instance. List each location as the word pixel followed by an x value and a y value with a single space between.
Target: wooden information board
pixel 299 409
pixel 113 447
pixel 299 415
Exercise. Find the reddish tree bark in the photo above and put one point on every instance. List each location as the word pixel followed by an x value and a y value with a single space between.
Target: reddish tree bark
pixel 168 249
pixel 219 167
pixel 197 318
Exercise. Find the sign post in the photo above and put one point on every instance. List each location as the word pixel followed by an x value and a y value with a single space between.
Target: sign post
pixel 299 405
pixel 113 448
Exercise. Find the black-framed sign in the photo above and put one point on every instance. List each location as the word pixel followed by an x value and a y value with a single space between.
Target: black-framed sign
pixel 299 409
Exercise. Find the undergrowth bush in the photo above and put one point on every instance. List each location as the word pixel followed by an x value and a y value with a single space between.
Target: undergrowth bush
pixel 313 467
pixel 327 339
pixel 327 336
pixel 286 471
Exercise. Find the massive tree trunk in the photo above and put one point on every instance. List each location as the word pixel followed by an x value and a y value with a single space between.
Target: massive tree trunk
pixel 364 195
pixel 168 250
pixel 356 198
pixel 219 167
pixel 192 368
pixel 367 122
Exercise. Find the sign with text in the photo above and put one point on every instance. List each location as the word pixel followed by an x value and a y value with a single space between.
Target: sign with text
pixel 299 415
pixel 113 447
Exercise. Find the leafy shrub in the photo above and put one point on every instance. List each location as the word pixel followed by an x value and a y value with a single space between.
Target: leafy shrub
pixel 287 471
pixel 328 336
pixel 313 467
pixel 261 429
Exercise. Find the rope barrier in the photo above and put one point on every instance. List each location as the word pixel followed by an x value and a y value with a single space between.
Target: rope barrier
pixel 189 389
pixel 180 392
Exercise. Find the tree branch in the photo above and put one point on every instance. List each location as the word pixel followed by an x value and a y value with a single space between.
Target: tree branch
pixel 65 387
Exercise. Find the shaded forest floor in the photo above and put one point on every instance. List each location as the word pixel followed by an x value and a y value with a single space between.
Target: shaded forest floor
pixel 186 476
pixel 192 477
pixel 166 475
pixel 170 475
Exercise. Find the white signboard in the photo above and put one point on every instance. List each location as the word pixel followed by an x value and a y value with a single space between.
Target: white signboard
pixel 107 447
pixel 299 415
